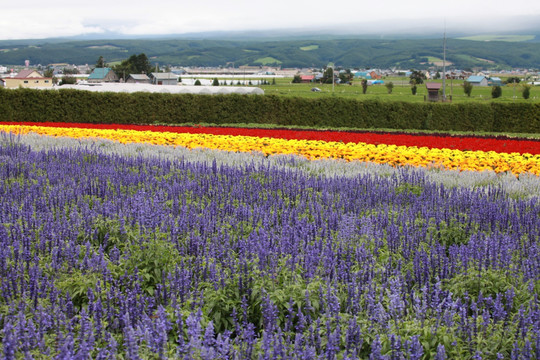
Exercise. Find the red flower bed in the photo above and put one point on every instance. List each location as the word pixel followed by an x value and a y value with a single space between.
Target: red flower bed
pixel 498 144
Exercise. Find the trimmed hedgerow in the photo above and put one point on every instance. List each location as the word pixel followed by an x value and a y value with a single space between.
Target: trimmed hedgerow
pixel 148 108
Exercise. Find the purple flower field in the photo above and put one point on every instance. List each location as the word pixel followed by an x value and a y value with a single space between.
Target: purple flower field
pixel 124 255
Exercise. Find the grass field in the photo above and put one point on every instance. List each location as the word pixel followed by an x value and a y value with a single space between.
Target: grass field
pixel 310 47
pixel 401 91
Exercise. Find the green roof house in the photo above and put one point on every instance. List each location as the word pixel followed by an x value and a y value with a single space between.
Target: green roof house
pixel 495 81
pixel 99 75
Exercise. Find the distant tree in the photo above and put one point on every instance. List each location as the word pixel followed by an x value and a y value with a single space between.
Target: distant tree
pixel 215 82
pixel 418 76
pixel 437 75
pixel 179 79
pixel 100 63
pixel 68 80
pixel 249 83
pixel 467 88
pixel 273 81
pixel 346 76
pixel 513 80
pixel 414 89
pixel 297 79
pixel 49 73
pixel 136 64
pixel 197 83
pixel 496 92
pixel 70 71
pixel 526 92
pixel 389 87
pixel 327 76
pixel 364 86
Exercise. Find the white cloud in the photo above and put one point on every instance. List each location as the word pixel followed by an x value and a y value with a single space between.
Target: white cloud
pixel 38 19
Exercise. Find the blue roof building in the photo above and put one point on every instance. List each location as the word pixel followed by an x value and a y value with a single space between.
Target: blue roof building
pixel 363 74
pixel 102 75
pixel 477 80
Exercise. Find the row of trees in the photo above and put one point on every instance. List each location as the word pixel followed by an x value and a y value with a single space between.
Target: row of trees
pixel 496 91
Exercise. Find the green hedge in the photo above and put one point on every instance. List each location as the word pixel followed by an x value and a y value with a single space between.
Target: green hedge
pixel 147 108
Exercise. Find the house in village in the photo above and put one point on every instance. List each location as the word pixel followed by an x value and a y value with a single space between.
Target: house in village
pixel 368 75
pixel 163 78
pixel 495 81
pixel 307 78
pixel 362 74
pixel 102 75
pixel 26 79
pixel 476 80
pixel 138 79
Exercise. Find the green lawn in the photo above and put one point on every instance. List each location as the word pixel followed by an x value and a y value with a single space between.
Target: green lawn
pixel 309 48
pixel 401 91
pixel 267 61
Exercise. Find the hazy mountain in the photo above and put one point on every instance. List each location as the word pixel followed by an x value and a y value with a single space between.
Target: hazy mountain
pixel 500 44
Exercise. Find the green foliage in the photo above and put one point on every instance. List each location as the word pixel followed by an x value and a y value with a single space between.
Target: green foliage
pixel 68 80
pixel 297 79
pixel 526 92
pixel 496 91
pixel 489 282
pixel 417 77
pixel 215 82
pixel 389 87
pixel 414 88
pixel 100 63
pixel 136 64
pixel 364 86
pixel 467 88
pixel 346 76
pixel 66 105
pixel 513 80
pixel 49 73
pixel 197 83
pixel 328 76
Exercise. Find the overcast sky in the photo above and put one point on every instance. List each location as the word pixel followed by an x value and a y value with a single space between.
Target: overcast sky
pixel 56 18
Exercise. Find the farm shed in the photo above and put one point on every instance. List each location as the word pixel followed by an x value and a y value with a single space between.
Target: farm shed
pixel 477 80
pixel 433 91
pixel 164 78
pixel 138 79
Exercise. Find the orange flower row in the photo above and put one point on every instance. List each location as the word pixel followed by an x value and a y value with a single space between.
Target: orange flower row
pixel 312 149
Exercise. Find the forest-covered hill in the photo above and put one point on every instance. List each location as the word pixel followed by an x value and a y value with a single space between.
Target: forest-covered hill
pixel 357 53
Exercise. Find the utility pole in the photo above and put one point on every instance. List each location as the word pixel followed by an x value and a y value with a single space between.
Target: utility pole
pixel 332 66
pixel 444 64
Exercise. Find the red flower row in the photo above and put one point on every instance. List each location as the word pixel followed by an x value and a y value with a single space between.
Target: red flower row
pixel 507 145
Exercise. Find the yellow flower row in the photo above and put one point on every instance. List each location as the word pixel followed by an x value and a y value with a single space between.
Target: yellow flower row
pixel 312 149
